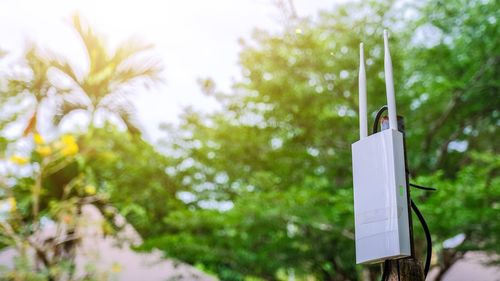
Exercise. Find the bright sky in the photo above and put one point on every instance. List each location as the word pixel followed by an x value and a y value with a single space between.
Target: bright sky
pixel 193 38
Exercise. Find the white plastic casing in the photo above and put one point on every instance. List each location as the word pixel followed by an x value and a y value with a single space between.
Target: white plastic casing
pixel 380 200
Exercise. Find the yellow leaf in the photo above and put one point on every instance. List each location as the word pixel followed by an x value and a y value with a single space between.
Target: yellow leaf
pixel 12 203
pixel 19 160
pixel 70 149
pixel 69 145
pixel 38 139
pixel 90 189
pixel 68 139
pixel 44 150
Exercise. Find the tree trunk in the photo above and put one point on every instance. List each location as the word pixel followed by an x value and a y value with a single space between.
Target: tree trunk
pixel 449 258
pixel 408 269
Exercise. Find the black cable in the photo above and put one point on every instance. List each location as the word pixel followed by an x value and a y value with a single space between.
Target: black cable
pixel 399 276
pixel 377 118
pixel 425 227
pixel 385 270
pixel 427 237
pixel 422 187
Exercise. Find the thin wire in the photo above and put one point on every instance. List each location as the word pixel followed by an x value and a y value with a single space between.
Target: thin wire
pixel 377 118
pixel 427 237
pixel 385 269
pixel 422 187
pixel 399 276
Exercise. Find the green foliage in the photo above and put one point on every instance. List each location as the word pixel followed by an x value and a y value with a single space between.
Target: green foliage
pixel 262 189
pixel 54 192
pixel 467 204
pixel 23 272
pixel 132 173
pixel 279 151
pixel 455 98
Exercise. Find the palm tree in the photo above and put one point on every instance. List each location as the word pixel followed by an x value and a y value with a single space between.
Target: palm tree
pixel 34 85
pixel 109 81
pixel 103 89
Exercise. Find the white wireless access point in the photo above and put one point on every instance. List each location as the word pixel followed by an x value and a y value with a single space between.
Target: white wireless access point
pixel 382 228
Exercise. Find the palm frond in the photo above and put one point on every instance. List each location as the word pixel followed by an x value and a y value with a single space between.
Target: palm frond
pixel 15 87
pixel 130 122
pixel 14 110
pixel 132 63
pixel 65 68
pixel 65 106
pixel 36 84
pixel 39 83
pixel 127 50
pixel 149 72
pixel 109 73
pixel 93 43
pixel 126 112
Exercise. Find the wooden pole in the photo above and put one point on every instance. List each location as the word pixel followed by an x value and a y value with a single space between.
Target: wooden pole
pixel 408 269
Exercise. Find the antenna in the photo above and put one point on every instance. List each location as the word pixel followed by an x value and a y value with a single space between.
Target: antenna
pixel 389 84
pixel 382 203
pixel 363 122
